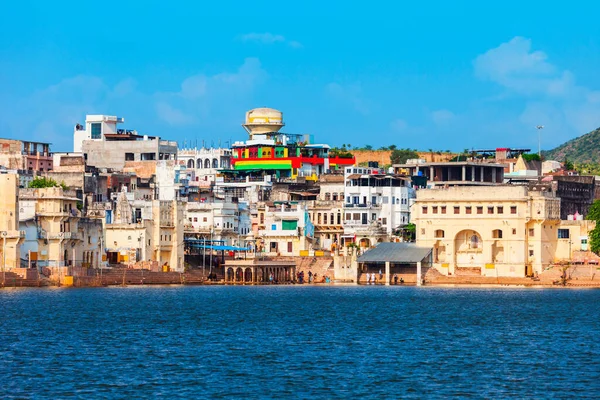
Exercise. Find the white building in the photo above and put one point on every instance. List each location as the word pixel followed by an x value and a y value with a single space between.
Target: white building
pixel 205 163
pixel 376 204
pixel 285 230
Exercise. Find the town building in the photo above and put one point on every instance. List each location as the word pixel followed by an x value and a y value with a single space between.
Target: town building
pixel 287 230
pixel 376 205
pixel 12 236
pixel 283 155
pixel 459 173
pixel 25 155
pixel 104 145
pixel 492 231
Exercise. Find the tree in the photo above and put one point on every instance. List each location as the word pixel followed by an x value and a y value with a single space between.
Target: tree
pixel 594 235
pixel 400 156
pixel 594 211
pixel 392 147
pixel 568 165
pixel 531 157
pixel 368 147
pixel 43 182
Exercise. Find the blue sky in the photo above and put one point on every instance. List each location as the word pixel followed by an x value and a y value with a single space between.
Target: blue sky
pixel 441 75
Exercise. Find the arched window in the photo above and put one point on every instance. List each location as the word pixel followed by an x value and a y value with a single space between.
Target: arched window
pixel 215 163
pixel 327 196
pixel 439 233
pixel 207 163
pixel 199 163
pixel 474 242
pixel 334 197
pixel 190 164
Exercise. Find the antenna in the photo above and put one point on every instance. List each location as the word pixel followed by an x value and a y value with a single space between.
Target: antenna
pixel 539 128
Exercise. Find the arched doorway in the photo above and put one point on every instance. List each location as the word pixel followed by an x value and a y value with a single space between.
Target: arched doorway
pixel 229 275
pixel 248 275
pixel 468 249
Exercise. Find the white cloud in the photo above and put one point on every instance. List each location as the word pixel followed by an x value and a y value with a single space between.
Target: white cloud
pixel 348 94
pixel 398 125
pixel 552 97
pixel 441 117
pixel 515 66
pixel 269 38
pixel 200 93
pixel 172 115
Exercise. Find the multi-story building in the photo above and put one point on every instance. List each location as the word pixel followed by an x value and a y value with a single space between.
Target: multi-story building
pixel 104 145
pixel 496 231
pixel 270 152
pixel 12 236
pixel 146 230
pixel 25 155
pixel 459 173
pixel 287 230
pixel 376 205
pixel 327 212
pixel 64 238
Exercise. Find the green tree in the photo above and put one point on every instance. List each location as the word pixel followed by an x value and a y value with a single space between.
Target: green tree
pixel 568 165
pixel 43 182
pixel 594 235
pixel 392 147
pixel 368 147
pixel 400 156
pixel 531 157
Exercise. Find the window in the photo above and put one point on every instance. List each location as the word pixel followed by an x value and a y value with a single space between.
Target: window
pixel 424 210
pixel 422 231
pixel 373 217
pixel 563 233
pixel 531 232
pixel 513 209
pixel 205 219
pixel 289 225
pixel 373 200
pixel 129 157
pixel 500 210
pixel 434 209
pixel 439 233
pixel 479 210
pixel 348 217
pixel 456 210
pixel 96 130
pixel 384 221
pixel 474 242
pixel 490 210
pixel 497 234
pixel 530 253
pixel 443 209
pixel 468 210
pixel 195 219
pixel 290 247
pixel 514 231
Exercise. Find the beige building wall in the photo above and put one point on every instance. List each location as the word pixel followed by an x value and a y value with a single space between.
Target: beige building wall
pixel 497 230
pixel 11 236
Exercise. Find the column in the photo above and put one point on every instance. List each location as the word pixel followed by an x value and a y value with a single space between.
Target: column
pixel 419 273
pixel 464 172
pixel 387 273
pixel 481 177
pixel 473 173
pixel 494 175
pixel 431 174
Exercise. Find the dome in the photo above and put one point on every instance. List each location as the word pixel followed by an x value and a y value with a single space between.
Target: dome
pixel 263 120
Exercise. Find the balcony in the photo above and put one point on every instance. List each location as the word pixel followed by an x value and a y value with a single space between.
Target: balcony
pixel 58 235
pixel 12 234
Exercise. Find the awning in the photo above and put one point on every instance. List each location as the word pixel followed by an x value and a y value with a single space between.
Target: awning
pixel 224 248
pixel 354 176
pixel 408 253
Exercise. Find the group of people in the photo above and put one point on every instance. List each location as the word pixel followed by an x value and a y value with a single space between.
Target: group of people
pixel 312 278
pixel 373 278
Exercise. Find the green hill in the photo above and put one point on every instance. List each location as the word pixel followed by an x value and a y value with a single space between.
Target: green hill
pixel 583 149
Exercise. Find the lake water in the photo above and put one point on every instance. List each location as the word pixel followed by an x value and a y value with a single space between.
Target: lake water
pixel 299 342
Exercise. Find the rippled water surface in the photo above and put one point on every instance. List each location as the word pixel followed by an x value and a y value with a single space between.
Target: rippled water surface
pixel 299 342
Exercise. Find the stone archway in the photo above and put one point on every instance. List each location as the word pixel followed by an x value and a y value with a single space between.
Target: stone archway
pixel 439 252
pixel 229 275
pixel 248 275
pixel 468 249
pixel 190 164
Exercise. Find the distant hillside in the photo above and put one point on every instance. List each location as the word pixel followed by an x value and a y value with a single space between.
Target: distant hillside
pixel 584 149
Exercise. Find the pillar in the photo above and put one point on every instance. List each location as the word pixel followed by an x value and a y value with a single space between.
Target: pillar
pixel 494 175
pixel 481 177
pixel 387 273
pixel 431 174
pixel 419 273
pixel 473 173
pixel 464 172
